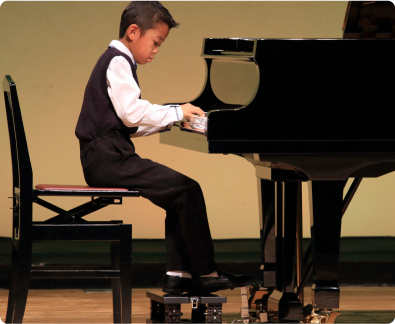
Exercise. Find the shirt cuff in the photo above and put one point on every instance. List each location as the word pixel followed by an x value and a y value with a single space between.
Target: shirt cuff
pixel 178 112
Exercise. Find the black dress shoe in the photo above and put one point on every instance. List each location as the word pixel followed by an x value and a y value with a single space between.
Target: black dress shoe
pixel 176 285
pixel 207 285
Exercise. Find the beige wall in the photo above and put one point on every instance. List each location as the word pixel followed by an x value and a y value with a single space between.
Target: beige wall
pixel 50 48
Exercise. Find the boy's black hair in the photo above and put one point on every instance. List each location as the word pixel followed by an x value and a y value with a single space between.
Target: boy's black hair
pixel 145 14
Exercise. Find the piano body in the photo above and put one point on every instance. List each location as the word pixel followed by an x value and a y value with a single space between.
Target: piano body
pixel 316 110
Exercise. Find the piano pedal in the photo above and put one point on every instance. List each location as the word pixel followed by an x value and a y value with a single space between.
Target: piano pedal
pixel 244 315
pixel 320 316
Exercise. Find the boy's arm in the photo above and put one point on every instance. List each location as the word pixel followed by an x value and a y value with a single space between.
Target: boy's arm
pixel 147 130
pixel 124 94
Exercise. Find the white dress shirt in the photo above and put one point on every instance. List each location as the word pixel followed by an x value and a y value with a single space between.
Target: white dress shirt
pixel 124 94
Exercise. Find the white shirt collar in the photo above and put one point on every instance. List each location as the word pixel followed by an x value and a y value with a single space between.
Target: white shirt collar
pixel 121 47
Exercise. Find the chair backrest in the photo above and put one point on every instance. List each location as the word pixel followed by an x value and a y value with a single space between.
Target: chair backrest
pixel 21 167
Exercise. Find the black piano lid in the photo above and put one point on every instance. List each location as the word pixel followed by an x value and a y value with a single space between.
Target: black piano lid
pixel 369 19
pixel 235 46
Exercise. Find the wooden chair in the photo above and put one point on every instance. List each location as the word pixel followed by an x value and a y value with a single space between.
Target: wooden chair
pixel 67 225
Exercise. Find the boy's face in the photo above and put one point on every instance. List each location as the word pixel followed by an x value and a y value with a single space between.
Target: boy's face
pixel 144 47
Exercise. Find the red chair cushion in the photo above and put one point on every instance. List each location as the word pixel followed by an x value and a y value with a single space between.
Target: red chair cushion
pixel 75 187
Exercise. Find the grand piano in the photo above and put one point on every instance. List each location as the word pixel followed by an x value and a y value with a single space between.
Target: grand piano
pixel 316 110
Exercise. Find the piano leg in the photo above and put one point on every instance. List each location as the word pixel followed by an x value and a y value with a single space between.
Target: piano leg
pixel 299 246
pixel 279 235
pixel 266 197
pixel 278 211
pixel 290 210
pixel 286 216
pixel 326 201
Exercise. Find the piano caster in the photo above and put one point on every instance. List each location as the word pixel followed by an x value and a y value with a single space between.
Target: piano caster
pixel 320 316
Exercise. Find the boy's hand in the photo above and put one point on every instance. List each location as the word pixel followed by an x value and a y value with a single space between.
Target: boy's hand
pixel 188 110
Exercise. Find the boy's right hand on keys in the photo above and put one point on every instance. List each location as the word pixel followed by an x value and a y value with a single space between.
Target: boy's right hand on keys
pixel 189 110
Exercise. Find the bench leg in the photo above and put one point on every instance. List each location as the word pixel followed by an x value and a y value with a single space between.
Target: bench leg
pixel 214 313
pixel 157 311
pixel 173 313
pixel 116 284
pixel 199 314
pixel 126 272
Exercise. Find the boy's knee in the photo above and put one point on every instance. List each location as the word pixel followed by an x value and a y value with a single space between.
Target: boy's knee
pixel 194 187
pixel 191 182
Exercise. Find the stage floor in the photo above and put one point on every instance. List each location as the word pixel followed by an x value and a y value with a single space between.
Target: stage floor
pixel 357 305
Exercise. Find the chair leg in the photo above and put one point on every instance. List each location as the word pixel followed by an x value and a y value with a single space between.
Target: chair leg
pixel 116 284
pixel 23 279
pixel 126 272
pixel 13 285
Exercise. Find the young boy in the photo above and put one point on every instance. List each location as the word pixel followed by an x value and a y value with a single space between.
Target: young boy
pixel 113 112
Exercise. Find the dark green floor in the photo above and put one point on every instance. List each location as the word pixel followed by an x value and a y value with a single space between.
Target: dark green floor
pixel 366 317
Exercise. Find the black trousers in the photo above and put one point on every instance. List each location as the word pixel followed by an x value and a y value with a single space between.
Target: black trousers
pixel 111 161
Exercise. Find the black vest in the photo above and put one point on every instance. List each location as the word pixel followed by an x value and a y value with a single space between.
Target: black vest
pixel 98 117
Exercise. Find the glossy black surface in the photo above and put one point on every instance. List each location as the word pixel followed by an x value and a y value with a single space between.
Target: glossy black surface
pixel 314 89
pixel 216 46
pixel 327 203
pixel 322 105
pixel 266 191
